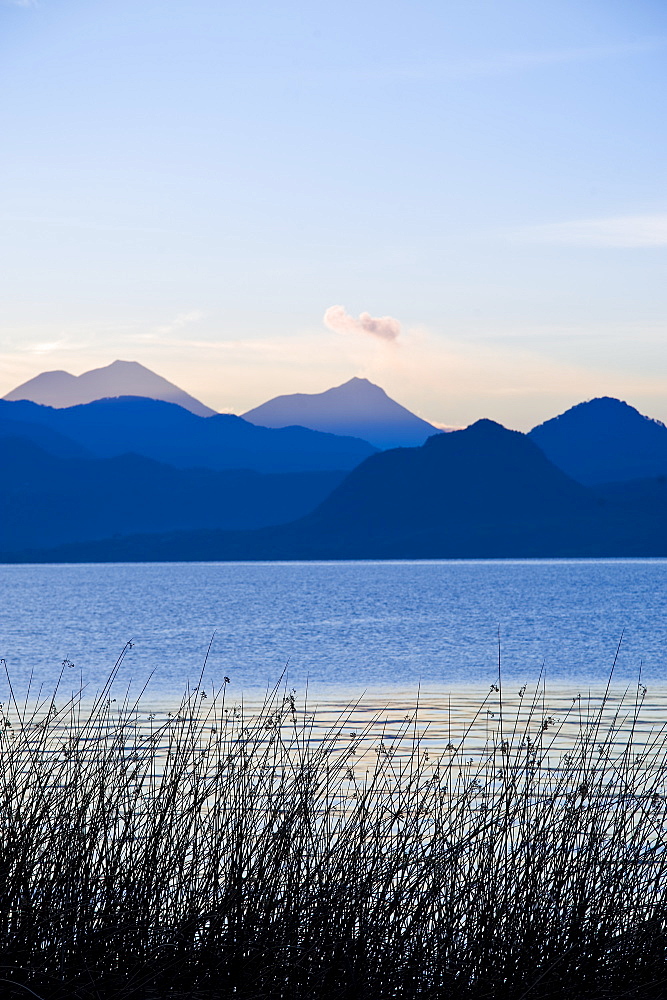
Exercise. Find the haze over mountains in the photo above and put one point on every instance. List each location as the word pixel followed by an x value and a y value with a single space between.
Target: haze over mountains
pixel 120 378
pixel 357 408
pixel 131 477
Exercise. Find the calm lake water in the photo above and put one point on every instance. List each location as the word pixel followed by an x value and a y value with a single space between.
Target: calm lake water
pixel 343 628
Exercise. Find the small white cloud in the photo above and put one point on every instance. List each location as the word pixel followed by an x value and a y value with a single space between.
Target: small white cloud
pixel 385 327
pixel 48 347
pixel 183 319
pixel 618 231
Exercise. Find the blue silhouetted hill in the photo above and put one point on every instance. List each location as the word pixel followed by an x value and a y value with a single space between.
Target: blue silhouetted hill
pixel 49 500
pixel 484 489
pixel 604 440
pixel 483 492
pixel 357 408
pixel 170 434
pixel 43 436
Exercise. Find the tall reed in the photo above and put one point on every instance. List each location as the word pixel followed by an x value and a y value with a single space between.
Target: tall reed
pixel 224 852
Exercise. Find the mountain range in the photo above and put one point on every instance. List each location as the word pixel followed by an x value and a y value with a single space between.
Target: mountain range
pixel 483 492
pixel 130 477
pixel 356 409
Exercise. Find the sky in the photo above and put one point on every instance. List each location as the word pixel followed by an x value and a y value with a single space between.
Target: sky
pixel 464 201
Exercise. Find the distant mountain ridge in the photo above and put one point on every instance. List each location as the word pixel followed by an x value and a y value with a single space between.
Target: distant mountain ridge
pixel 120 378
pixel 170 434
pixel 44 437
pixel 50 500
pixel 357 408
pixel 604 440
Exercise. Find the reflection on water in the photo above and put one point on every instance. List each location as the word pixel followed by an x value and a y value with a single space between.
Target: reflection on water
pixel 477 719
pixel 462 724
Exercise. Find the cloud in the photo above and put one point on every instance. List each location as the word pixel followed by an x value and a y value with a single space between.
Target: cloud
pixel 618 231
pixel 385 327
pixel 47 347
pixel 183 319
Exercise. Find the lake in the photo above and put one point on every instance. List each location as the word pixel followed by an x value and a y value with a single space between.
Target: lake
pixel 341 627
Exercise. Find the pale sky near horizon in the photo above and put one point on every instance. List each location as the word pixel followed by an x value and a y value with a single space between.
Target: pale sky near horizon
pixel 193 185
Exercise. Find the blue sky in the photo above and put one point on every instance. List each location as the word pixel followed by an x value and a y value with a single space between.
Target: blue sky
pixel 192 185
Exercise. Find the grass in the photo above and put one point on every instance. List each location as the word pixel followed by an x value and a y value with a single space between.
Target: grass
pixel 223 852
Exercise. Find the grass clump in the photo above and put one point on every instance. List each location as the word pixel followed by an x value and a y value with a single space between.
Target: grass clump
pixel 223 852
